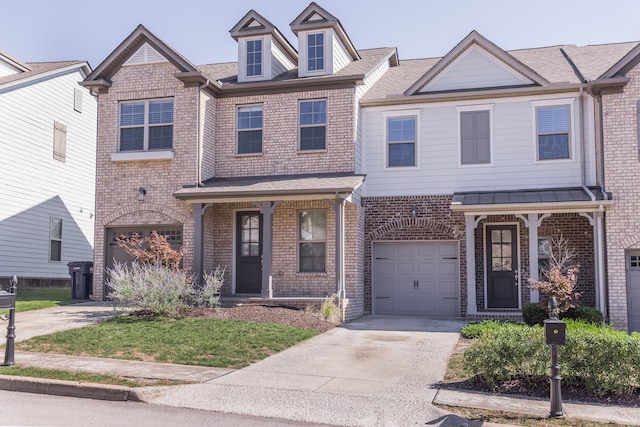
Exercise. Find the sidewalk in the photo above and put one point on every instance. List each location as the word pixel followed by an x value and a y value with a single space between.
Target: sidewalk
pixel 275 377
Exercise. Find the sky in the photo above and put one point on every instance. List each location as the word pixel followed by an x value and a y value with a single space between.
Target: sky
pixel 60 30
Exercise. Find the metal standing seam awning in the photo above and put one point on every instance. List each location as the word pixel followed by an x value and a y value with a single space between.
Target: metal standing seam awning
pixel 266 193
pixel 532 206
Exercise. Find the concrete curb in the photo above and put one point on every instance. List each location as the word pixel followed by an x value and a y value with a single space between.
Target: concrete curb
pixel 67 388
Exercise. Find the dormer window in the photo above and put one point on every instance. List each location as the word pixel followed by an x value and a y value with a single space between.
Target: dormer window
pixel 254 58
pixel 315 51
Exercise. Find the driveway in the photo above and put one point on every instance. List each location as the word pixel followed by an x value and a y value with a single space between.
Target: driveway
pixel 375 371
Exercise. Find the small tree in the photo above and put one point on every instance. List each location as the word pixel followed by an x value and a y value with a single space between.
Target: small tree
pixel 561 275
pixel 154 249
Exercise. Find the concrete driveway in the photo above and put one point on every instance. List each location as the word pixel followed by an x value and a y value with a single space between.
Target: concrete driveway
pixel 375 371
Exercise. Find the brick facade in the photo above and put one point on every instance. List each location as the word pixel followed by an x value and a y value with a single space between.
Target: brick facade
pixel 390 219
pixel 620 147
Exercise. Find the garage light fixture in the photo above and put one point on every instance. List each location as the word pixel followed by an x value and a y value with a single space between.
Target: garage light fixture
pixel 141 193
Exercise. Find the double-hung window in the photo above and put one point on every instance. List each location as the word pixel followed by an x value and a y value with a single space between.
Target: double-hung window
pixel 315 52
pixel 146 125
pixel 254 58
pixel 250 129
pixel 313 125
pixel 401 141
pixel 553 132
pixel 55 239
pixel 312 239
pixel 475 137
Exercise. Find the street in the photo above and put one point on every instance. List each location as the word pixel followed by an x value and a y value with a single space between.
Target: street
pixel 19 409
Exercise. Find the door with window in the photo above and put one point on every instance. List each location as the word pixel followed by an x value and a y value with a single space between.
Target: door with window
pixel 502 266
pixel 248 253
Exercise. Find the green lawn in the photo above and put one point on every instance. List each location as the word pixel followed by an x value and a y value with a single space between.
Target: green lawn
pixel 188 341
pixel 34 298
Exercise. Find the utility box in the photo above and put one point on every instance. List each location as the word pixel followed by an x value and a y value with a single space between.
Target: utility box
pixel 81 273
pixel 555 332
pixel 7 300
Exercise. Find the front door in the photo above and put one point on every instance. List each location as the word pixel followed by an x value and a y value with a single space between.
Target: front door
pixel 248 253
pixel 502 266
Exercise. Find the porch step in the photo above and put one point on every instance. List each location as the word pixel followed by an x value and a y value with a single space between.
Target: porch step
pixel 512 316
pixel 299 303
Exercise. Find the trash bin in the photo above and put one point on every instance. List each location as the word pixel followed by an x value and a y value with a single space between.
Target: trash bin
pixel 81 279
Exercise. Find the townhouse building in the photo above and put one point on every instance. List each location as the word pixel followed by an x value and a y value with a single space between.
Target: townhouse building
pixel 416 187
pixel 48 138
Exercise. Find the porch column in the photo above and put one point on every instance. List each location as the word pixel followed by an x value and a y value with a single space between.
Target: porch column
pixel 266 209
pixel 533 223
pixel 338 207
pixel 198 239
pixel 471 223
pixel 595 220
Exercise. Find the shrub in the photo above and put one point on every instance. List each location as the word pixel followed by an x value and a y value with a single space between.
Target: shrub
pixel 474 330
pixel 162 290
pixel 584 313
pixel 598 358
pixel 329 310
pixel 505 351
pixel 534 314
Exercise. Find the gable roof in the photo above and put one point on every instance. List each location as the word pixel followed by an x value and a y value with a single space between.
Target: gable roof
pixel 40 70
pixel 476 39
pixel 13 61
pixel 625 63
pixel 314 17
pixel 253 24
pixel 101 76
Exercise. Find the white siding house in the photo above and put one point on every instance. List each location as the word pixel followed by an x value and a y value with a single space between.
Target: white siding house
pixel 47 189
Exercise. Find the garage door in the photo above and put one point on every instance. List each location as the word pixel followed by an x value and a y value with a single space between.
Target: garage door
pixel 416 278
pixel 116 254
pixel 633 290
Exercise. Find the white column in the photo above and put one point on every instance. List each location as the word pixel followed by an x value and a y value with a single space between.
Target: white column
pixel 595 220
pixel 471 224
pixel 533 223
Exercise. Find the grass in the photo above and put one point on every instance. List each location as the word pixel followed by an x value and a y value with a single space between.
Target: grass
pixel 188 341
pixel 35 298
pixel 82 377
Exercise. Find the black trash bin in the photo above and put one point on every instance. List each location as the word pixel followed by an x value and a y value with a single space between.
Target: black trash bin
pixel 81 279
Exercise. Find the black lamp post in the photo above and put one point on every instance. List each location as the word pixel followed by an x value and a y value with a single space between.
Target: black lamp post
pixel 8 300
pixel 555 334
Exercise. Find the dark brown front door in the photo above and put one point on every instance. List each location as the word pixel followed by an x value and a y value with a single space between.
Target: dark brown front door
pixel 248 253
pixel 502 266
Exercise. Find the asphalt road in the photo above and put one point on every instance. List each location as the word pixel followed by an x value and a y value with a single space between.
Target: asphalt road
pixel 22 409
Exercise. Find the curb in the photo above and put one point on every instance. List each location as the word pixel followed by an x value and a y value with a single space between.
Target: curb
pixel 67 388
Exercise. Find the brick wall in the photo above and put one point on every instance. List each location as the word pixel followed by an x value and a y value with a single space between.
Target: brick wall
pixel 280 154
pixel 117 183
pixel 620 148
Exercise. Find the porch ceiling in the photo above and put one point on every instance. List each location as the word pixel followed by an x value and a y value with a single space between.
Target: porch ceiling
pixel 572 199
pixel 276 187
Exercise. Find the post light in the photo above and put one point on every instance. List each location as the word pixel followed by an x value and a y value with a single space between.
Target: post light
pixel 8 300
pixel 555 334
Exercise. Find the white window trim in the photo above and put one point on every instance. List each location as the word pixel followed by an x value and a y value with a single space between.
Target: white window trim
pixel 327 52
pixel 299 242
pixel 136 156
pixel 397 114
pixel 570 102
pixel 242 59
pixel 51 239
pixel 238 107
pixel 123 155
pixel 326 127
pixel 484 107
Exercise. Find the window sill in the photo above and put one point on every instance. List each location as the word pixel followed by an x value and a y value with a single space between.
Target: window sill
pixel 244 155
pixel 312 151
pixel 134 156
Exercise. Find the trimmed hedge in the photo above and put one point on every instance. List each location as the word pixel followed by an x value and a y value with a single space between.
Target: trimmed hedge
pixel 599 358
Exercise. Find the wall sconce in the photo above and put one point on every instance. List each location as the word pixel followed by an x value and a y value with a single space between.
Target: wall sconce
pixel 414 211
pixel 141 193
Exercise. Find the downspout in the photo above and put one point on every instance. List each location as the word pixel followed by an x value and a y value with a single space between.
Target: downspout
pixel 199 139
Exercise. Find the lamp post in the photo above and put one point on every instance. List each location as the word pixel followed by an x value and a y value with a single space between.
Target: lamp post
pixel 555 334
pixel 8 300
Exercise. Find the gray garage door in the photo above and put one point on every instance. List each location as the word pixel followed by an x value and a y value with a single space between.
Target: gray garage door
pixel 416 278
pixel 633 290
